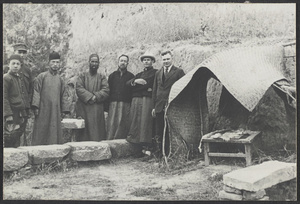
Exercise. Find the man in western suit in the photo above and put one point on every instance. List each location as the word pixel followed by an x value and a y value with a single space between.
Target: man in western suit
pixel 163 81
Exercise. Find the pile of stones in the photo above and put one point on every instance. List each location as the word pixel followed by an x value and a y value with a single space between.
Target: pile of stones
pixel 250 183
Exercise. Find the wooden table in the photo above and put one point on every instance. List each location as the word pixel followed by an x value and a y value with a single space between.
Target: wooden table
pixel 246 140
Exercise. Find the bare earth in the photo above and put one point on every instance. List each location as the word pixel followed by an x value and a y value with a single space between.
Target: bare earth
pixel 125 179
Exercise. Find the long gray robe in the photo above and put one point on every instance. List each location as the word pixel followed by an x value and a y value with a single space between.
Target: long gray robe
pixel 50 96
pixel 88 85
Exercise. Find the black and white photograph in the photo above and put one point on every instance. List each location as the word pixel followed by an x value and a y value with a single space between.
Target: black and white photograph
pixel 159 101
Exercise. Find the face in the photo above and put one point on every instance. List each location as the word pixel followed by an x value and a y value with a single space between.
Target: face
pixel 167 60
pixel 22 53
pixel 94 63
pixel 14 65
pixel 54 64
pixel 123 62
pixel 147 62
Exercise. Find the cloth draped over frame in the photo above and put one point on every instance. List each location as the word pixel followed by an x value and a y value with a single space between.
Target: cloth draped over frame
pixel 245 72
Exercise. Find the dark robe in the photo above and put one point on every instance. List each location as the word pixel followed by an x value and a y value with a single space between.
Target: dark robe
pixel 141 121
pixel 88 85
pixel 50 97
pixel 119 106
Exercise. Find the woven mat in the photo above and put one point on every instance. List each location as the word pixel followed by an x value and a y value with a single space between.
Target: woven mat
pixel 246 73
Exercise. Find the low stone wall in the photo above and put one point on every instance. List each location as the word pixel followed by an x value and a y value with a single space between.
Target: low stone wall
pixel 259 182
pixel 16 158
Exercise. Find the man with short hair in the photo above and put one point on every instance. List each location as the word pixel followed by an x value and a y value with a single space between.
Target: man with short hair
pixel 50 104
pixel 163 81
pixel 119 100
pixel 15 103
pixel 27 78
pixel 92 90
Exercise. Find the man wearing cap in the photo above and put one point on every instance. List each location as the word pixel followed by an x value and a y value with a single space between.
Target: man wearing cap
pixel 49 104
pixel 25 75
pixel 164 79
pixel 92 90
pixel 15 103
pixel 119 101
pixel 141 122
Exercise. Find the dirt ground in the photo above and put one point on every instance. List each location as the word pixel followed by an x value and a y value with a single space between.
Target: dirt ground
pixel 123 179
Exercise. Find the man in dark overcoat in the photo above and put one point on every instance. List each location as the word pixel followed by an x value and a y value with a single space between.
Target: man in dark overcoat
pixel 163 81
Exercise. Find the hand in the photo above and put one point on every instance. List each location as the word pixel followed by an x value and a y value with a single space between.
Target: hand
pixel 92 100
pixel 36 112
pixel 153 113
pixel 140 81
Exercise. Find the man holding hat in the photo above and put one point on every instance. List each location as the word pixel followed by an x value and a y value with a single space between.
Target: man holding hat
pixel 92 90
pixel 49 104
pixel 119 100
pixel 25 75
pixel 141 121
pixel 164 79
pixel 16 103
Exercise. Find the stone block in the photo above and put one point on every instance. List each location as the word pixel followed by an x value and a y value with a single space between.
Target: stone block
pixel 229 196
pixel 229 189
pixel 14 159
pixel 89 151
pixel 248 195
pixel 121 148
pixel 46 153
pixel 71 123
pixel 265 198
pixel 260 176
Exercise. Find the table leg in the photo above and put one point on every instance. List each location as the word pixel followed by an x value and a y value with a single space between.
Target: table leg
pixel 206 151
pixel 248 152
pixel 73 135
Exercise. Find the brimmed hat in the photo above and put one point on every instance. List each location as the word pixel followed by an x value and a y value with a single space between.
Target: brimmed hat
pixel 20 46
pixel 148 55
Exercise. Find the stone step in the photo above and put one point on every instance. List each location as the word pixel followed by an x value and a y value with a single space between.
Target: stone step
pixel 46 153
pixel 14 159
pixel 89 151
pixel 223 195
pixel 260 176
pixel 121 148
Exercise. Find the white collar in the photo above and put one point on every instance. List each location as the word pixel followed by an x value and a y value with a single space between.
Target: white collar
pixel 169 68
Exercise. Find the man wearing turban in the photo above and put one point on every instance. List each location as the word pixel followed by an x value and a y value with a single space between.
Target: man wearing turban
pixel 92 90
pixel 49 104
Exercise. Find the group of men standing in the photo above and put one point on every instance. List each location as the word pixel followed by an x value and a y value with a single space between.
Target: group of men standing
pixel 136 103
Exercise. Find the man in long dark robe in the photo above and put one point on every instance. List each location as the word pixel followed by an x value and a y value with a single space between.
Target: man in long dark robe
pixel 119 101
pixel 49 104
pixel 141 122
pixel 92 90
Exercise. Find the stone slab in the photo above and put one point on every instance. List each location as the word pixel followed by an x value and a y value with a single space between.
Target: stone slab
pixel 14 159
pixel 265 198
pixel 260 176
pixel 46 153
pixel 229 189
pixel 229 196
pixel 248 195
pixel 89 151
pixel 121 148
pixel 71 123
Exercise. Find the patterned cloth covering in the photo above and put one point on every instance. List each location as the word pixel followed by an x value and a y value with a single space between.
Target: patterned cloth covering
pixel 245 72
